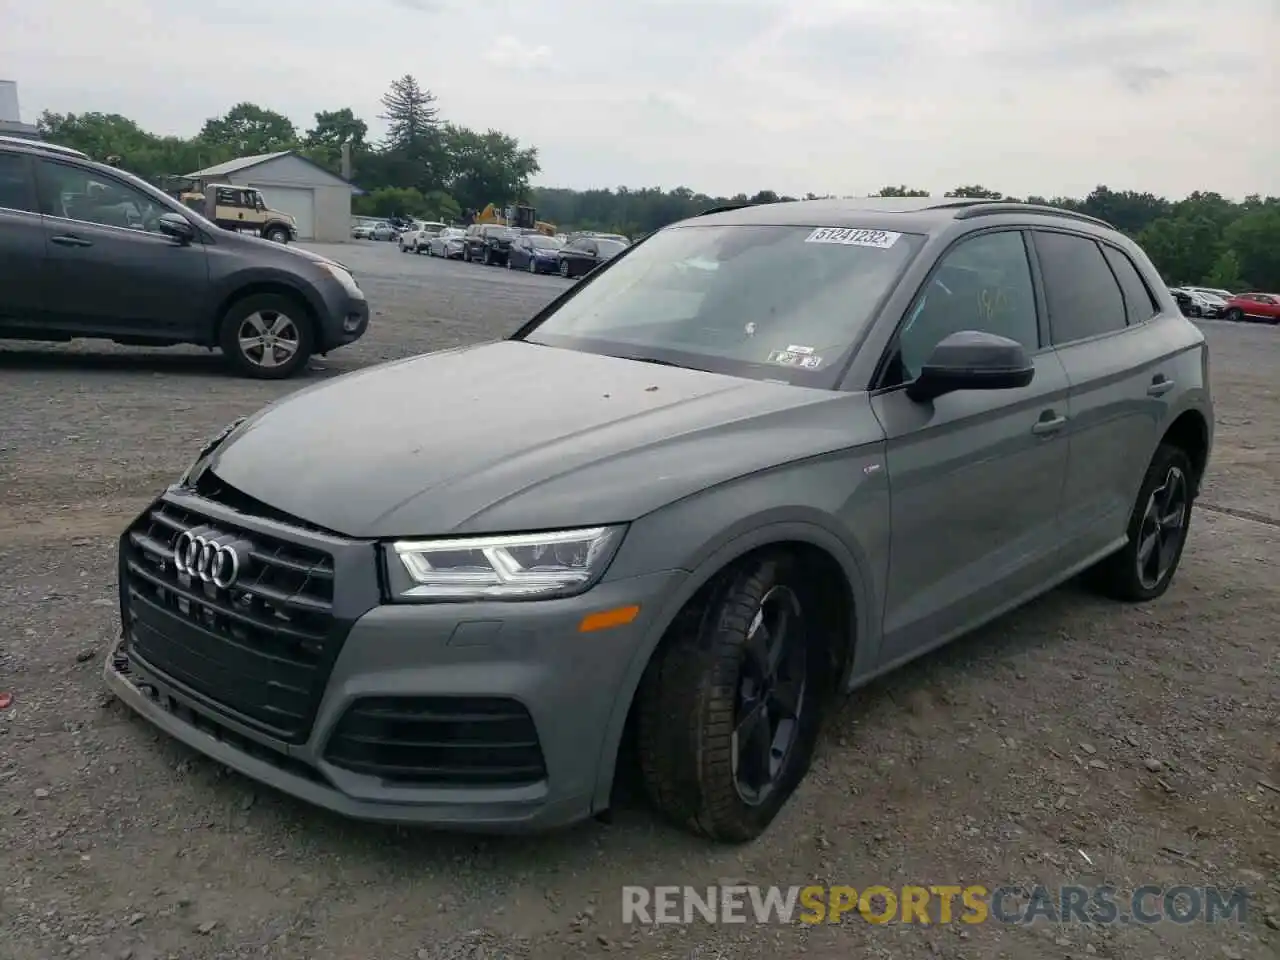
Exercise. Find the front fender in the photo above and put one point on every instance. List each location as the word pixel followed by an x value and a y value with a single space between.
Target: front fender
pixel 709 544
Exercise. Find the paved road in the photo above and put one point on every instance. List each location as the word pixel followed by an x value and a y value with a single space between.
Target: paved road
pixel 1074 741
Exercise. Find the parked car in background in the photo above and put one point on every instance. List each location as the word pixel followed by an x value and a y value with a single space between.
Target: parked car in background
pixel 362 227
pixel 383 230
pixel 1212 291
pixel 87 250
pixel 535 253
pixel 448 243
pixel 488 243
pixel 1257 307
pixel 1194 302
pixel 579 257
pixel 685 511
pixel 419 234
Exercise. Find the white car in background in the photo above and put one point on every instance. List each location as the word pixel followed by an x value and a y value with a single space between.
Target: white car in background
pixel 416 238
pixel 362 227
pixel 383 230
pixel 447 243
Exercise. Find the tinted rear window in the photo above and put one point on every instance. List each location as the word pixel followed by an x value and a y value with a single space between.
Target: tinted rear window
pixel 1139 304
pixel 15 192
pixel 1083 296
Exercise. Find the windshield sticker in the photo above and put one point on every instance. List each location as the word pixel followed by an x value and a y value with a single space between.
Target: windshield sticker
pixel 849 237
pixel 796 357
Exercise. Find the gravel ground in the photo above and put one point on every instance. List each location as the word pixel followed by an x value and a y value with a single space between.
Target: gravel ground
pixel 1074 741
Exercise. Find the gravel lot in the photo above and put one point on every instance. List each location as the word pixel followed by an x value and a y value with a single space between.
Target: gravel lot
pixel 1075 741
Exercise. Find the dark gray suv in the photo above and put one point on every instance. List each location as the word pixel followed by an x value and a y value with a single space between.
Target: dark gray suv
pixel 752 462
pixel 87 250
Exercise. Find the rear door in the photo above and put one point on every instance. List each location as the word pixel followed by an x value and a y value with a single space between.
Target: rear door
pixel 1104 321
pixel 22 250
pixel 110 272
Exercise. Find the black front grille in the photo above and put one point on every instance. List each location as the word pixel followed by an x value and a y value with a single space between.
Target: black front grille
pixel 439 741
pixel 260 650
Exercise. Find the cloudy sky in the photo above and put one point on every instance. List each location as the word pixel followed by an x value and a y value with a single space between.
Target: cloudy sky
pixel 843 96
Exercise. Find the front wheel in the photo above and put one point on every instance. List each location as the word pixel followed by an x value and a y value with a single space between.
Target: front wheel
pixel 278 235
pixel 533 266
pixel 266 336
pixel 1235 314
pixel 1144 567
pixel 564 269
pixel 729 709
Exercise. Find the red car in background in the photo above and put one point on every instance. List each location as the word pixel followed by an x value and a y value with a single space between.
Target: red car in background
pixel 1258 307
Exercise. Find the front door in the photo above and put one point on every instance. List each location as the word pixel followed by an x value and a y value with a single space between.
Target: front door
pixel 110 272
pixel 975 477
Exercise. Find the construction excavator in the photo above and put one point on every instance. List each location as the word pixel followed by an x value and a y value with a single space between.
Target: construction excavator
pixel 519 216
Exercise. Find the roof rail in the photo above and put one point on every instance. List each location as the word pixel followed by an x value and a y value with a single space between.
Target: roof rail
pixel 43 147
pixel 725 208
pixel 994 207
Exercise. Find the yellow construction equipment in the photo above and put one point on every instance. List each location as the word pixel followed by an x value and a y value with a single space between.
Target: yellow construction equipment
pixel 520 216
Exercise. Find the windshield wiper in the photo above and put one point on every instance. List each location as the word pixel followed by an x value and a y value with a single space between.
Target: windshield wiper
pixel 660 363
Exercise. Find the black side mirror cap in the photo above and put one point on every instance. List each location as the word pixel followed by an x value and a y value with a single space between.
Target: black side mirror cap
pixel 972 360
pixel 176 226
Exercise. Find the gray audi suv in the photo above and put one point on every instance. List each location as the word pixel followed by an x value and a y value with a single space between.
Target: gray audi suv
pixel 754 461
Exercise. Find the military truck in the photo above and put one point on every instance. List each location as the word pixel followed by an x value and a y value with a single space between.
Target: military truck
pixel 241 209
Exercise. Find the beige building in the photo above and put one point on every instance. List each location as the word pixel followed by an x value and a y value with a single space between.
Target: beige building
pixel 318 200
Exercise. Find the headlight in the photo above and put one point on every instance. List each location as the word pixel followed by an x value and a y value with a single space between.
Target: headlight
pixel 344 277
pixel 531 566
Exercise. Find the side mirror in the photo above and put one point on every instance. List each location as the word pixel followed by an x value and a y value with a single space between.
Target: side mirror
pixel 972 360
pixel 176 226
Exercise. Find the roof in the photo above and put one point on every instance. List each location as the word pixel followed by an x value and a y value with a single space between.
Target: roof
pixel 240 164
pixel 901 214
pixel 40 146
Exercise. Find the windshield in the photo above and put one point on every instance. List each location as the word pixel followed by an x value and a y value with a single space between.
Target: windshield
pixel 545 243
pixel 768 302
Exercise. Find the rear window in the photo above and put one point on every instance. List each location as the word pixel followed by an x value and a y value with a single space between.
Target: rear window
pixel 1140 306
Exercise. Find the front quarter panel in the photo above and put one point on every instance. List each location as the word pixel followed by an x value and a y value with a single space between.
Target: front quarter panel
pixel 838 502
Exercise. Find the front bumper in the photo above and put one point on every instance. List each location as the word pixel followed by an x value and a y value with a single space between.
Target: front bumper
pixel 529 654
pixel 545 264
pixel 348 322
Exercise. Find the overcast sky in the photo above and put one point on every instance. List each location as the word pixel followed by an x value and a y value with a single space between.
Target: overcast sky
pixel 843 96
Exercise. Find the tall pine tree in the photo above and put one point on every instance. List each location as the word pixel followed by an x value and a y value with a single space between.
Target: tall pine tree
pixel 412 118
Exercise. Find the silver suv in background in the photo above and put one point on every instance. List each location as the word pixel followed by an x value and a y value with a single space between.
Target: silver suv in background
pixel 87 250
pixel 750 463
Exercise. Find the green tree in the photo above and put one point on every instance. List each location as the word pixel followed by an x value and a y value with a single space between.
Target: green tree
pixel 1184 248
pixel 489 167
pixel 1255 239
pixel 412 118
pixel 974 193
pixel 333 130
pixel 900 191
pixel 248 130
pixel 1225 274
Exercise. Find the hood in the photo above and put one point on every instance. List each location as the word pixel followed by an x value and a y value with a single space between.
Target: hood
pixel 511 436
pixel 289 251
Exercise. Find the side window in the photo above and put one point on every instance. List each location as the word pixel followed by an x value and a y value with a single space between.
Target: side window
pixel 1083 296
pixel 1139 305
pixel 15 187
pixel 77 194
pixel 226 197
pixel 983 283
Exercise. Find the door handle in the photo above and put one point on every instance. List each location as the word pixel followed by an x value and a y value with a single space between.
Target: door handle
pixel 1049 423
pixel 71 240
pixel 1160 385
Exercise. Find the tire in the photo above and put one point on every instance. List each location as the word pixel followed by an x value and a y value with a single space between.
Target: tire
pixel 278 235
pixel 1119 576
pixel 269 309
pixel 533 266
pixel 1196 311
pixel 696 689
pixel 509 262
pixel 1235 315
pixel 564 269
pixel 487 260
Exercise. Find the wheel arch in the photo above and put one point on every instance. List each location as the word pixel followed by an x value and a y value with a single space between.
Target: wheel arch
pixel 266 285
pixel 1190 433
pixel 817 542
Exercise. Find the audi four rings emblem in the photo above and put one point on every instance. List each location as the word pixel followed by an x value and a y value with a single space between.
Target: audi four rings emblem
pixel 209 556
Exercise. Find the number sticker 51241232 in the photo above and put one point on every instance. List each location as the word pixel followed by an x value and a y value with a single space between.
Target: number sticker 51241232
pixel 852 237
